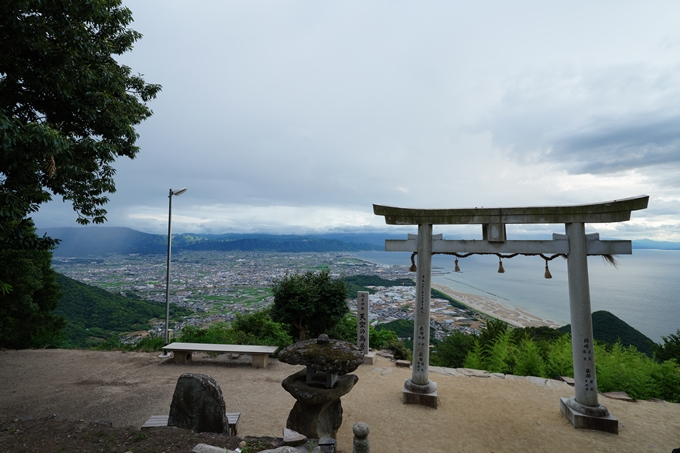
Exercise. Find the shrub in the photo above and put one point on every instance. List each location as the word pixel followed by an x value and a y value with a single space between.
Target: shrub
pixel 112 343
pixel 399 350
pixel 380 339
pixel 150 343
pixel 666 381
pixel 474 358
pixel 260 328
pixel 670 348
pixel 559 360
pixel 618 368
pixel 624 369
pixel 451 352
pixel 495 328
pixel 346 329
pixel 498 357
pixel 528 360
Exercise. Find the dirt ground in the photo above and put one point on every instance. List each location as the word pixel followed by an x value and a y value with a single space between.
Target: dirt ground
pixel 72 400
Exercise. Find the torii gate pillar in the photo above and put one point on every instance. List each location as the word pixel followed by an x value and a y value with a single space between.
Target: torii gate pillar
pixel 419 389
pixel 583 410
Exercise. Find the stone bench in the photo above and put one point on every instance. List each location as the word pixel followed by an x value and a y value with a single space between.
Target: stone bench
pixel 183 351
pixel 159 421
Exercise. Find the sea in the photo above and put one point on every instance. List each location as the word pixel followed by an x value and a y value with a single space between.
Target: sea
pixel 643 289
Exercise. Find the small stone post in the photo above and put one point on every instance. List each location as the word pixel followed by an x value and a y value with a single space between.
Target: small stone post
pixel 362 321
pixel 361 442
pixel 363 318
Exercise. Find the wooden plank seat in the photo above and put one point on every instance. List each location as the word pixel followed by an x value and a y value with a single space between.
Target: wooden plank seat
pixel 260 354
pixel 159 421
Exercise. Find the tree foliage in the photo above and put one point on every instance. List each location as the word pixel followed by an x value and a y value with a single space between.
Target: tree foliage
pixel 619 367
pixel 260 325
pixel 453 349
pixel 670 349
pixel 346 330
pixel 310 301
pixel 528 359
pixel 403 328
pixel 253 328
pixel 67 112
pixel 67 107
pixel 26 320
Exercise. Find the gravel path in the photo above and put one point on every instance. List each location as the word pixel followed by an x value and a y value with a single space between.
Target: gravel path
pixel 475 414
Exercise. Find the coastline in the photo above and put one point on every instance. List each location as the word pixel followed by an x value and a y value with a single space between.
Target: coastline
pixel 513 316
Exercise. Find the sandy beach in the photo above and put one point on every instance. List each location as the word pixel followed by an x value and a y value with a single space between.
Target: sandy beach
pixel 475 414
pixel 513 316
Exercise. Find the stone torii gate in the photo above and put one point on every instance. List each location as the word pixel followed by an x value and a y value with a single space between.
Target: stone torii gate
pixel 582 410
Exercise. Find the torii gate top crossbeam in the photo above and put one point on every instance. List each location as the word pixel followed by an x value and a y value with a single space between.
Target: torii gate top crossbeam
pixel 609 211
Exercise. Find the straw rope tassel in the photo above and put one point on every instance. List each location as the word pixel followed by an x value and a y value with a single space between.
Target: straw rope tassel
pixel 413 267
pixel 500 266
pixel 457 269
pixel 547 271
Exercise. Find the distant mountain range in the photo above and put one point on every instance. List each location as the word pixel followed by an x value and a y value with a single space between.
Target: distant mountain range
pixel 100 241
pixel 660 245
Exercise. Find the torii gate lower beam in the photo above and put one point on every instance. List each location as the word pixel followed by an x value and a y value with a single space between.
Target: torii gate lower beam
pixel 583 410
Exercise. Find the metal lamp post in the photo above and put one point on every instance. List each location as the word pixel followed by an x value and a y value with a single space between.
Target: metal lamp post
pixel 167 272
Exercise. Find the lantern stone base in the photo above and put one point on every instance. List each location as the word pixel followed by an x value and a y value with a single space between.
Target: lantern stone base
pixel 317 411
pixel 425 395
pixel 579 420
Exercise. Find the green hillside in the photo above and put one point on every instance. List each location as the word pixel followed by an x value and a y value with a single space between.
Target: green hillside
pixel 357 283
pixel 93 314
pixel 402 327
pixel 608 329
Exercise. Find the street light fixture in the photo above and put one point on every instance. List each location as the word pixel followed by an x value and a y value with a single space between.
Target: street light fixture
pixel 167 272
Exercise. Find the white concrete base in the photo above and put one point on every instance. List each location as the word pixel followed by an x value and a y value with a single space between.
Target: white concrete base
pixel 579 420
pixel 369 359
pixel 422 399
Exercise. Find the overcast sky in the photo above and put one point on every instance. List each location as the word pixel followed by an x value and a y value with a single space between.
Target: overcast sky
pixel 297 116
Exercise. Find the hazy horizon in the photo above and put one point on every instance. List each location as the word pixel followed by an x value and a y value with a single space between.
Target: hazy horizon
pixel 358 232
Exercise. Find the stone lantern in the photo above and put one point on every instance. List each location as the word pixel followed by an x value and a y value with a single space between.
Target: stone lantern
pixel 317 389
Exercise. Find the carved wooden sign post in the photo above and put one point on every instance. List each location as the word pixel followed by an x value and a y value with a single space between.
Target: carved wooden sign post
pixel 582 410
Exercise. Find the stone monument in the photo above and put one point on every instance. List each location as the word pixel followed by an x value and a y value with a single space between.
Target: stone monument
pixel 198 404
pixel 363 337
pixel 583 410
pixel 317 389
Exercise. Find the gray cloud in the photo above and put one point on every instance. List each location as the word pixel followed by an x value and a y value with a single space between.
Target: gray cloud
pixel 634 143
pixel 297 116
pixel 592 120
